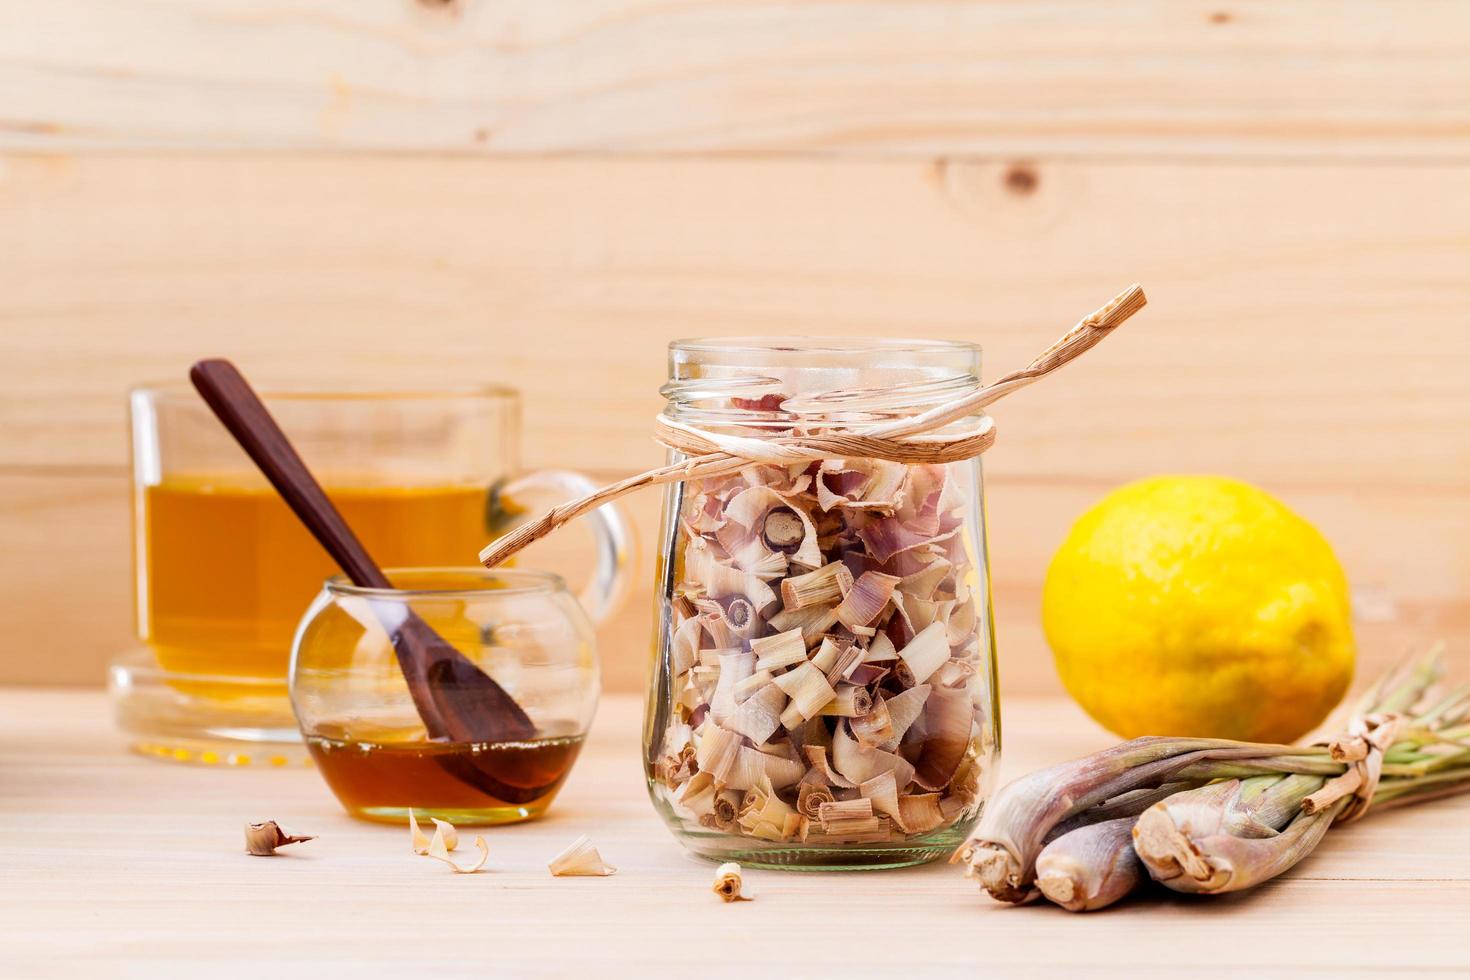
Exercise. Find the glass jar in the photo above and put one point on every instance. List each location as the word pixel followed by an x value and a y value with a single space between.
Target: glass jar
pixel 823 691
pixel 359 721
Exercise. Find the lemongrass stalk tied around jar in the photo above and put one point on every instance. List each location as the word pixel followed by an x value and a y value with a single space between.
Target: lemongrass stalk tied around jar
pixel 930 437
pixel 1225 815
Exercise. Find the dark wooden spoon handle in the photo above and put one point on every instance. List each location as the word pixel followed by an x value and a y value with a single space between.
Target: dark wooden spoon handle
pixel 237 405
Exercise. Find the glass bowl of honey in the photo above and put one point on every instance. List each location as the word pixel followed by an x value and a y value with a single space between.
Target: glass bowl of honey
pixel 358 716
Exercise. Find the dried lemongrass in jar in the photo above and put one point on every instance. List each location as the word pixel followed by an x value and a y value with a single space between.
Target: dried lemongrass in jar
pixel 824 690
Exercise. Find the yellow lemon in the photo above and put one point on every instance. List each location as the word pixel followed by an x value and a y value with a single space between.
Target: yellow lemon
pixel 1198 605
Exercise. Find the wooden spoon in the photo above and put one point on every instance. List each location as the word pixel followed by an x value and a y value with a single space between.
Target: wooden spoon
pixel 456 699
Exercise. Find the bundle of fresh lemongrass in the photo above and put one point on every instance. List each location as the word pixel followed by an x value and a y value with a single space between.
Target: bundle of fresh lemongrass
pixel 1213 815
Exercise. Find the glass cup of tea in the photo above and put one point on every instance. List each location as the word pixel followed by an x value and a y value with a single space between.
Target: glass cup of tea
pixel 364 730
pixel 223 569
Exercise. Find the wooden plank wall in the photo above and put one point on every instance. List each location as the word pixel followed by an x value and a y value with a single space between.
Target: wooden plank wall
pixel 545 194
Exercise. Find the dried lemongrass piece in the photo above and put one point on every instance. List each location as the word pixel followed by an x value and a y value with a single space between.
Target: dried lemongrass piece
pixel 848 701
pixel 903 710
pixel 808 688
pixel 761 510
pixel 416 837
pixel 717 751
pixel 750 552
pixel 923 583
pixel 725 808
pixel 439 850
pixel 948 719
pixel 580 859
pixel 262 839
pixel 684 648
pixel 919 813
pixel 698 795
pixel 744 689
pixel 859 763
pixel 824 586
pixel 752 765
pixel 953 674
pixel 827 653
pixel 844 810
pixel 882 793
pixel 779 650
pixel 759 717
pixel 866 599
pixel 813 621
pixel 766 816
pixel 730 885
pixel 811 794
pixel 446 829
pixel 816 756
pixel 847 660
pixel 722 581
pixel 926 652
pixel 734 668
pixel 730 621
pixel 880 650
pixel 874 727
pixel 857 830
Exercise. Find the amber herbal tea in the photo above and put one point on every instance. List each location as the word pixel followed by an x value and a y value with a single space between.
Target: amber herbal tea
pixel 225 570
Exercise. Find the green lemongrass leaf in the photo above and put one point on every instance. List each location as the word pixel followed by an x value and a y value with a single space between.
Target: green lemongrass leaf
pixel 1391 789
pixel 1311 760
pixel 1418 791
pixel 1265 804
pixel 1451 704
pixel 1404 686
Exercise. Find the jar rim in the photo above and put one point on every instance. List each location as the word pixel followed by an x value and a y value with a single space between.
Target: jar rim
pixel 759 344
pixel 516 581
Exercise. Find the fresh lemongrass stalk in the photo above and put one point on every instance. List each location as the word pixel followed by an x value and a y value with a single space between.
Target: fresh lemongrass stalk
pixel 1002 852
pixel 1091 867
pixel 1229 835
pixel 1220 815
pixel 1184 845
pixel 1235 834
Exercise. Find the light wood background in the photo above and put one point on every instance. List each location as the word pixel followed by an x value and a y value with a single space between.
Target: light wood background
pixel 544 194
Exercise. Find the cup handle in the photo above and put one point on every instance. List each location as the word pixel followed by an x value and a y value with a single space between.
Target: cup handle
pixel 605 591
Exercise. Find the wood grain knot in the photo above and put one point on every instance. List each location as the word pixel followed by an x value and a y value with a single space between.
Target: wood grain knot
pixel 1021 179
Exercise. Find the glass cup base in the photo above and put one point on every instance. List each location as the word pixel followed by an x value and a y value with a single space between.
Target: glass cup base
pixel 213 720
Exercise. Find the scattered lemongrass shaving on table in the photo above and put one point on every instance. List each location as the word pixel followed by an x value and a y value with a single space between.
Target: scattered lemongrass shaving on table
pixel 439 850
pixel 418 840
pixel 262 839
pixel 446 829
pixel 730 884
pixel 580 859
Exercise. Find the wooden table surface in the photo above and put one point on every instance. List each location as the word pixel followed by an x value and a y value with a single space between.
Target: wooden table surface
pixel 116 865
